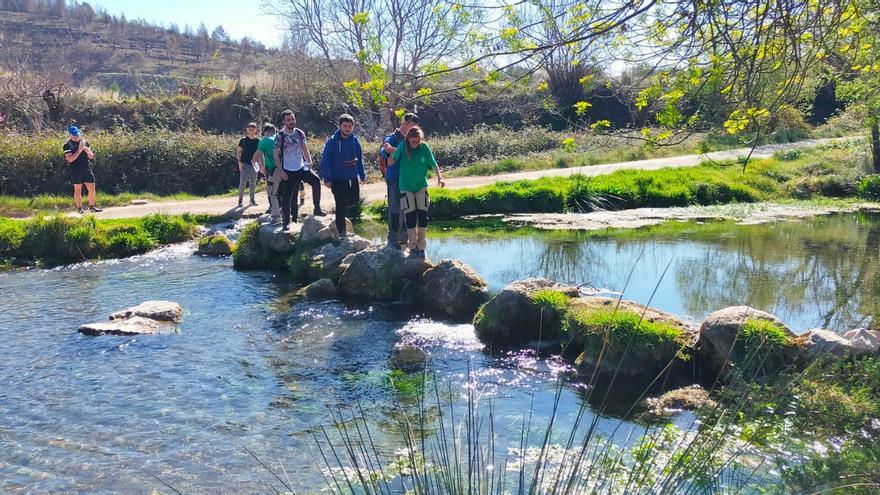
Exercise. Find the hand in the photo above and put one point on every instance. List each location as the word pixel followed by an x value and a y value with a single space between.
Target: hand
pixel 441 183
pixel 240 167
pixel 282 175
pixel 389 149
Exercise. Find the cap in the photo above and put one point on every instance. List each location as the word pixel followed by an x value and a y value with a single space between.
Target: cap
pixel 74 131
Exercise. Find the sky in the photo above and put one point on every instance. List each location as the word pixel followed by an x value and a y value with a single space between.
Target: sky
pixel 239 18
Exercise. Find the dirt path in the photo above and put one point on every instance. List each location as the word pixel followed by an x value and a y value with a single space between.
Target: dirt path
pixel 376 191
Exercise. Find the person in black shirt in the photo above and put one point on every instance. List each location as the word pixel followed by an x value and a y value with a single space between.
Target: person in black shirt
pixel 248 171
pixel 79 155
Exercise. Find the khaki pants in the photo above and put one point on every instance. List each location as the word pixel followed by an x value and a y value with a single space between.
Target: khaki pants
pixel 273 183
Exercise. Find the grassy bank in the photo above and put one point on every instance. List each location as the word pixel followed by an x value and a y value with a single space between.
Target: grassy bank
pixel 833 171
pixel 14 206
pixel 56 239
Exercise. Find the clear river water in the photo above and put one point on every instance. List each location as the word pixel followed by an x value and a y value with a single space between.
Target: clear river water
pixel 253 368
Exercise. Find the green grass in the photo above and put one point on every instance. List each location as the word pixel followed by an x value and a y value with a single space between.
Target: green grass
pixel 215 245
pixel 762 348
pixel 549 299
pixel 18 206
pixel 57 239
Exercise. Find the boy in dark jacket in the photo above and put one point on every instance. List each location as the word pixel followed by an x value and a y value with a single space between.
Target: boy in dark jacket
pixel 342 165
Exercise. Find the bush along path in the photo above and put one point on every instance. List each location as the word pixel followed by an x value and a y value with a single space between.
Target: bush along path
pixel 554 190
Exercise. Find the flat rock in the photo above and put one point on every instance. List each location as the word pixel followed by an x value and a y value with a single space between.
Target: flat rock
pixel 649 314
pixel 135 325
pixel 408 358
pixel 689 398
pixel 167 311
pixel 453 290
pixel 214 245
pixel 321 229
pixel 379 274
pixel 863 341
pixel 273 238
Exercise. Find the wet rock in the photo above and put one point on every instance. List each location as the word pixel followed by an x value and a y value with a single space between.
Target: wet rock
pixel 818 343
pixel 321 229
pixel 719 331
pixel 135 325
pixel 602 328
pixel 319 290
pixel 327 259
pixel 453 290
pixel 378 274
pixel 512 317
pixel 863 341
pixel 272 237
pixel 689 398
pixel 214 245
pixel 155 310
pixel 408 358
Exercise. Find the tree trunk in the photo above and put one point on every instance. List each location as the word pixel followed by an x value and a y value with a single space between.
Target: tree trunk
pixel 875 145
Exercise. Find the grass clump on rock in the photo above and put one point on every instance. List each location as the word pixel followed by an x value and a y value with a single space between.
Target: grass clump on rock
pixel 215 245
pixel 763 346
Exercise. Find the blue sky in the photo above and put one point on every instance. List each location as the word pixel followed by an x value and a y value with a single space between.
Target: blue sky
pixel 238 17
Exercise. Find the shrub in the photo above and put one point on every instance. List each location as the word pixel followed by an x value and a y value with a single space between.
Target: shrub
pixel 127 242
pixel 11 235
pixel 869 187
pixel 164 229
pixel 58 239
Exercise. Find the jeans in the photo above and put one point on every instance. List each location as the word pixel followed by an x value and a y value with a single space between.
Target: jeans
pixel 396 222
pixel 247 175
pixel 347 194
pixel 288 189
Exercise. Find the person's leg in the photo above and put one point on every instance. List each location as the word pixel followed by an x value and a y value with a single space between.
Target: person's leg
pixel 253 176
pixel 422 231
pixel 302 194
pixel 284 194
pixel 77 196
pixel 274 205
pixel 392 187
pixel 90 187
pixel 242 182
pixel 354 197
pixel 315 182
pixel 407 206
pixel 340 197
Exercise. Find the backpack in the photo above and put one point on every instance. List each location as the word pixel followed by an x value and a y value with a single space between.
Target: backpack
pixel 280 134
pixel 382 163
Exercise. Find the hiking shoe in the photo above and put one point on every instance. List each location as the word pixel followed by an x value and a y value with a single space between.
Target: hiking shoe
pixel 413 254
pixel 253 203
pixel 80 210
pixel 319 213
pixel 240 205
pixel 95 209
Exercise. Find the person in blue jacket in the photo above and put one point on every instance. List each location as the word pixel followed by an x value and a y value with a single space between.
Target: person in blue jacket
pixel 396 223
pixel 342 165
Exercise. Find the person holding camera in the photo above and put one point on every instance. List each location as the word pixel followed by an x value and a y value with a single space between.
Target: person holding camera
pixel 79 156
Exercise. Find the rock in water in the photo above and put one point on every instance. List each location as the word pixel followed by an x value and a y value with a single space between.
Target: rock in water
pixel 689 398
pixel 863 341
pixel 719 332
pixel 512 317
pixel 155 310
pixel 272 238
pixel 214 245
pixel 321 229
pixel 408 358
pixel 453 290
pixel 319 290
pixel 378 274
pixel 135 325
pixel 327 259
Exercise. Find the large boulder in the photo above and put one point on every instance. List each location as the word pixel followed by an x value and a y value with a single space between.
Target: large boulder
pixel 863 341
pixel 136 325
pixel 513 317
pixel 378 274
pixel 627 338
pixel 273 238
pixel 722 329
pixel 326 260
pixel 147 318
pixel 453 290
pixel 321 229
pixel 214 245
pixel 154 310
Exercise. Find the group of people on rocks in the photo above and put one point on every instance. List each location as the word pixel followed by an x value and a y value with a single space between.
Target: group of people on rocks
pixel 283 157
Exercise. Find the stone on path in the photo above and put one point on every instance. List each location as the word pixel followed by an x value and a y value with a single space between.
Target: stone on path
pixel 271 237
pixel 326 260
pixel 719 332
pixel 863 340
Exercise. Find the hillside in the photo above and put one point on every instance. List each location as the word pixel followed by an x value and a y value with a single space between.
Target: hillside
pixel 97 49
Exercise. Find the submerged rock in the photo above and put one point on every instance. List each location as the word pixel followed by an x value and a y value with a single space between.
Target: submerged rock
pixel 147 318
pixel 326 260
pixel 154 310
pixel 689 398
pixel 214 245
pixel 408 358
pixel 378 274
pixel 321 229
pixel 135 325
pixel 721 329
pixel 318 290
pixel 863 341
pixel 512 317
pixel 453 290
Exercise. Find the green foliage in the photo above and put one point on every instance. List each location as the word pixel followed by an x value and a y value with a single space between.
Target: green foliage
pixel 248 255
pixel 624 335
pixel 123 242
pixel 408 386
pixel 217 245
pixel 11 236
pixel 164 229
pixel 762 347
pixel 869 187
pixel 549 299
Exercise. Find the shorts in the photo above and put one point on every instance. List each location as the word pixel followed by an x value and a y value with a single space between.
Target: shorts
pixel 412 201
pixel 82 175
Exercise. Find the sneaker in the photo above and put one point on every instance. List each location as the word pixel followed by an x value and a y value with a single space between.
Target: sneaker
pixel 240 205
pixel 413 253
pixel 253 203
pixel 80 210
pixel 319 213
pixel 274 221
pixel 95 209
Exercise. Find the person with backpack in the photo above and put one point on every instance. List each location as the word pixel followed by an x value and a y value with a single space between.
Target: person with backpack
pixel 79 156
pixel 294 161
pixel 342 165
pixel 266 159
pixel 415 159
pixel 247 170
pixel 396 222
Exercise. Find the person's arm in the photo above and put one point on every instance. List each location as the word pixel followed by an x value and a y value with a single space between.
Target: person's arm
pixel 360 158
pixel 88 150
pixel 306 155
pixel 238 151
pixel 258 158
pixel 392 153
pixel 433 163
pixel 327 163
pixel 70 156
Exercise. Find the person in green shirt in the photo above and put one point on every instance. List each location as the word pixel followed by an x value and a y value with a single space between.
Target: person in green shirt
pixel 266 159
pixel 415 159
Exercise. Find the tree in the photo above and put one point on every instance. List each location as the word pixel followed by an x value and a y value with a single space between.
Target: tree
pixel 203 41
pixel 219 35
pixel 172 47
